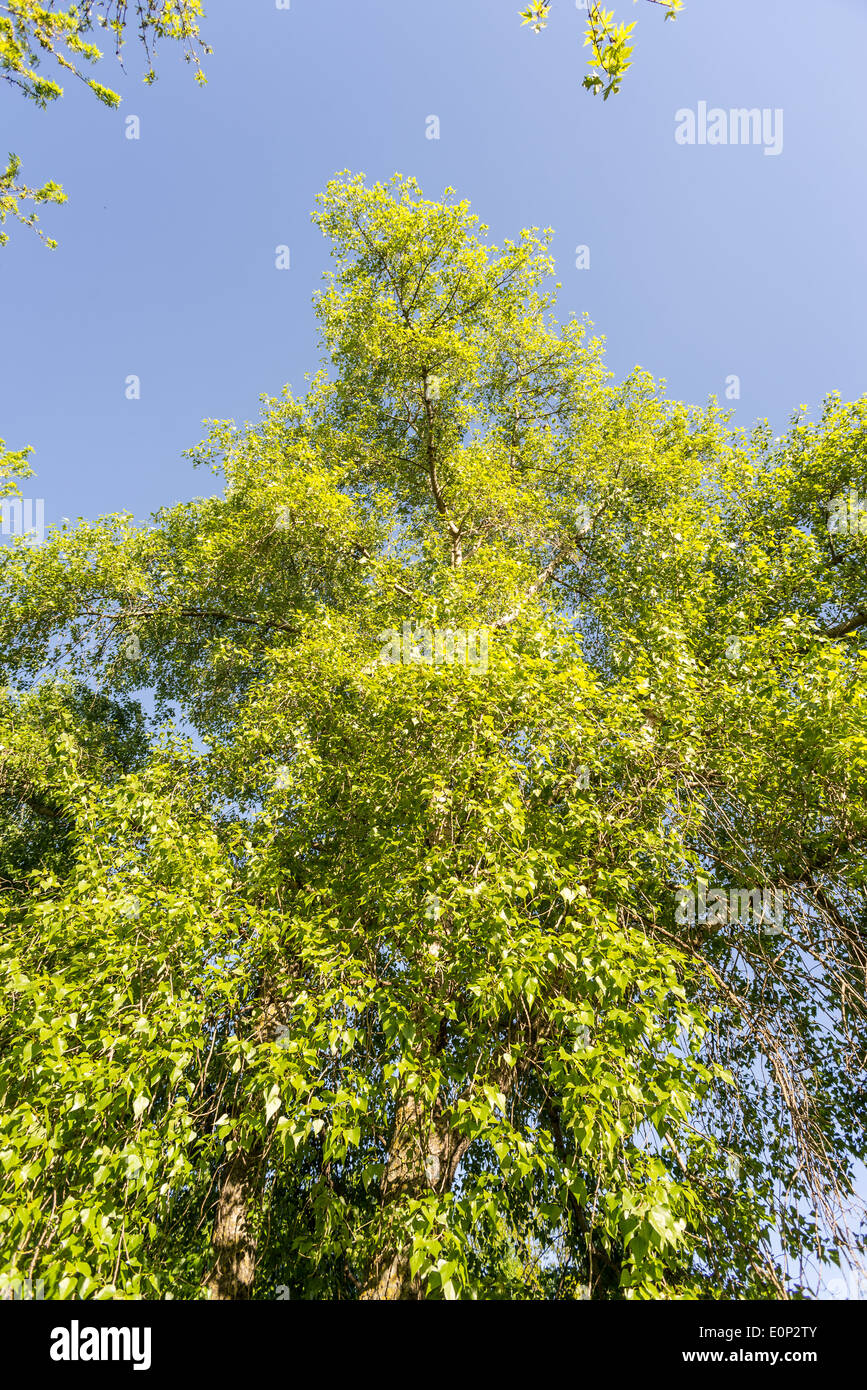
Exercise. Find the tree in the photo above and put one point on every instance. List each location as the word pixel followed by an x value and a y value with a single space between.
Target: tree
pixel 30 31
pixel 352 817
pixel 608 41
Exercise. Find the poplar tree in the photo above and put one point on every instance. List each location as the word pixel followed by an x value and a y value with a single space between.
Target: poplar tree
pixel 335 966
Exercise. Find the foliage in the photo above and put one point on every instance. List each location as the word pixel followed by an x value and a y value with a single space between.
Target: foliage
pixel 327 975
pixel 30 31
pixel 608 41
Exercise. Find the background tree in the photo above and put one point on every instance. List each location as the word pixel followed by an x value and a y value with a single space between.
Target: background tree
pixel 31 32
pixel 348 976
pixel 608 40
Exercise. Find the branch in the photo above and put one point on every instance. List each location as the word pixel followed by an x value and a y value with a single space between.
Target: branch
pixel 362 550
pixel 859 620
pixel 216 614
pixel 542 578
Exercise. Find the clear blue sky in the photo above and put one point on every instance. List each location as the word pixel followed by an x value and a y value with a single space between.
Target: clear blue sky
pixel 706 260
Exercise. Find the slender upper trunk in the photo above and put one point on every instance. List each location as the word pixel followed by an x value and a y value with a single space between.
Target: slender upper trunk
pixel 455 531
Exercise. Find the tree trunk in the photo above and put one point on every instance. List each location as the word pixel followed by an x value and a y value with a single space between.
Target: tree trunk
pixel 234 1264
pixel 424 1153
pixel 234 1267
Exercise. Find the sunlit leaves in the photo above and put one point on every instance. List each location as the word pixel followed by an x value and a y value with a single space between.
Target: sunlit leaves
pixel 31 31
pixel 398 938
pixel 607 39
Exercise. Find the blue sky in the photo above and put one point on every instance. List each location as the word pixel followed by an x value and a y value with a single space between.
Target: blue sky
pixel 705 261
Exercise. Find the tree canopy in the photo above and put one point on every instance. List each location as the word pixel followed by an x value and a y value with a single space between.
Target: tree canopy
pixel 352 819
